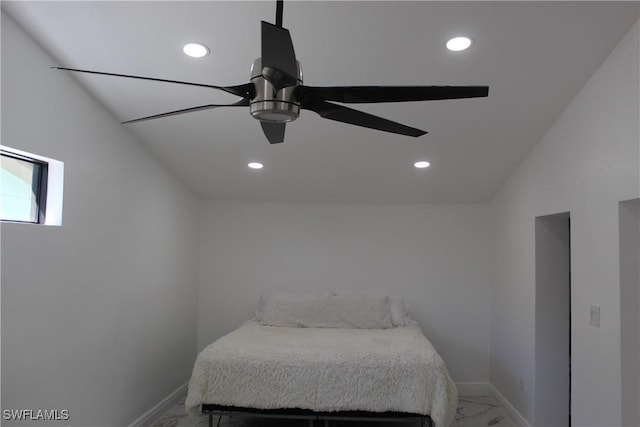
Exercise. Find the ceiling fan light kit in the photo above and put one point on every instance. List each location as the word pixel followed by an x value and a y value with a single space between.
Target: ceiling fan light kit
pixel 271 104
pixel 275 93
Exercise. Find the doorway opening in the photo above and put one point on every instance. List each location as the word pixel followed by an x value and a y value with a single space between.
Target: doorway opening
pixel 553 320
pixel 629 229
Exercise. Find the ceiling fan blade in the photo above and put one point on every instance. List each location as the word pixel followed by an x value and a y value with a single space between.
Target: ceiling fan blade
pixel 246 90
pixel 242 103
pixel 273 131
pixel 279 64
pixel 371 94
pixel 359 118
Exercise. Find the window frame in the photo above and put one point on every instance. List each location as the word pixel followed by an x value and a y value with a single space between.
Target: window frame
pixel 49 183
pixel 38 186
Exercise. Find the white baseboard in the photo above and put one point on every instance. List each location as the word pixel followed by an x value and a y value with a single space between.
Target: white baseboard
pixel 163 406
pixel 473 389
pixel 514 415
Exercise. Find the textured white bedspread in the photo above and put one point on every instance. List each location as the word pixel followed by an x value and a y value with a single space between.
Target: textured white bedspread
pixel 324 370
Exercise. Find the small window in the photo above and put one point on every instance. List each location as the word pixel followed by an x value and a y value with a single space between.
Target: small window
pixel 28 188
pixel 21 187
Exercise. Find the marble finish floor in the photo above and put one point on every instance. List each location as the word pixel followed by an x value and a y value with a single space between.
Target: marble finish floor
pixel 473 411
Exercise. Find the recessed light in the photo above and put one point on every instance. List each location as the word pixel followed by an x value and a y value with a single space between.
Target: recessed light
pixel 422 164
pixel 458 43
pixel 195 50
pixel 255 165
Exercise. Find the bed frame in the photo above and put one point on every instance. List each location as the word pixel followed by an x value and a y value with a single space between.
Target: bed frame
pixel 311 416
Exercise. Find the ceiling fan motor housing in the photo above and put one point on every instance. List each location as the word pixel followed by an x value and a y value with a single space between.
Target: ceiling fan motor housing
pixel 271 104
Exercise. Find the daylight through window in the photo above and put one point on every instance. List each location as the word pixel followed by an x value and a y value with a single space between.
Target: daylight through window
pixel 25 188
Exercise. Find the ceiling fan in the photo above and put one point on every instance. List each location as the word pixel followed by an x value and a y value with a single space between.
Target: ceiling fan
pixel 275 93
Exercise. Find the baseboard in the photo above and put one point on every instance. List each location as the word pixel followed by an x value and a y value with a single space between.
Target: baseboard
pixel 163 406
pixel 514 415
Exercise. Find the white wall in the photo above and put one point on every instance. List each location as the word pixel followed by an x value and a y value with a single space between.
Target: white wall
pixel 98 316
pixel 438 257
pixel 585 164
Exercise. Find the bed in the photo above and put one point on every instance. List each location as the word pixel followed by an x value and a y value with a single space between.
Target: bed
pixel 273 368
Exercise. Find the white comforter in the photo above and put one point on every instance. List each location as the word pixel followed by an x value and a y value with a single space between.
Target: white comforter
pixel 324 370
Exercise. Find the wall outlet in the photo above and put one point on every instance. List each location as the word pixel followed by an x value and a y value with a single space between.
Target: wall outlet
pixel 521 383
pixel 595 315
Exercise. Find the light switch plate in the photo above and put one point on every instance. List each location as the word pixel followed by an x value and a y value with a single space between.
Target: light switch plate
pixel 595 315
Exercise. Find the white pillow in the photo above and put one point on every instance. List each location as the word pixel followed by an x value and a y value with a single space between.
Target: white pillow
pixel 399 312
pixel 357 312
pixel 290 297
pixel 398 307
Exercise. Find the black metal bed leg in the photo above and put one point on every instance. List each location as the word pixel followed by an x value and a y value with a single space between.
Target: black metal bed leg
pixel 211 420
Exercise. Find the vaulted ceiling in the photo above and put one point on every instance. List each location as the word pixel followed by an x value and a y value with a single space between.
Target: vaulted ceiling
pixel 535 56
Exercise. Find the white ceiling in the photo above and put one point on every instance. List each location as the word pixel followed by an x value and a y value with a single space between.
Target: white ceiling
pixel 535 56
